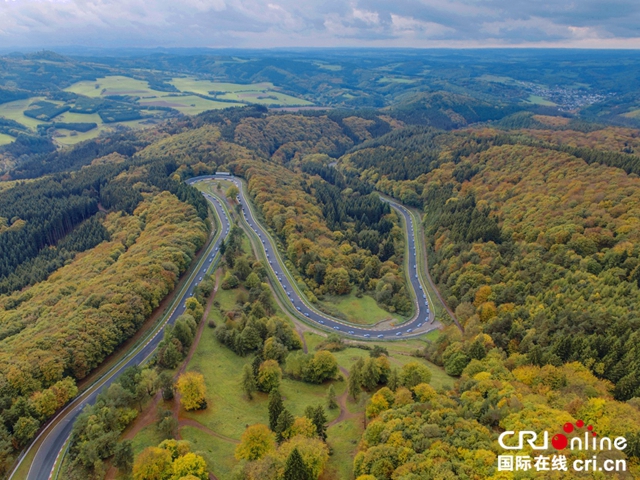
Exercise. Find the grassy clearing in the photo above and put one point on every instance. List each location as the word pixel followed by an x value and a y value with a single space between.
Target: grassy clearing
pixel 262 93
pixel 14 111
pixel 363 311
pixel 205 87
pixel 217 453
pixel 343 438
pixel 397 80
pixel 113 85
pixel 69 137
pixel 229 411
pixel 187 104
pixel 537 100
pixel 147 437
pixel 227 298
pixel 632 114
pixel 5 139
pixel 270 98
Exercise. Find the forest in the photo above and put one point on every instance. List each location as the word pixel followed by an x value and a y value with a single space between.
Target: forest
pixel 532 243
pixel 531 231
pixel 92 278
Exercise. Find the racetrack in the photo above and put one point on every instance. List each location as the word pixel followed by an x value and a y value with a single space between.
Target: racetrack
pixel 55 435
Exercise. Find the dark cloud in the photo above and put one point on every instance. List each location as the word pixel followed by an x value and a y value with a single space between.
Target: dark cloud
pixel 277 23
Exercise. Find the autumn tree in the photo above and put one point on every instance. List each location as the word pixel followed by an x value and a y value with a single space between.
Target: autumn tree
pixel 232 192
pixel 269 376
pixel 414 373
pixel 190 464
pixel 153 463
pixel 193 391
pixel 256 441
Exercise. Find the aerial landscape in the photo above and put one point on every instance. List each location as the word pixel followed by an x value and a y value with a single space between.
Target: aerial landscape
pixel 346 241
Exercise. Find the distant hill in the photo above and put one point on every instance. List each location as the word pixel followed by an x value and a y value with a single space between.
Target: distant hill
pixel 447 110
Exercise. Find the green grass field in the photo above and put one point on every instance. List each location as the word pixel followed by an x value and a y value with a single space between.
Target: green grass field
pixel 269 98
pixel 363 311
pixel 343 439
pixel 113 85
pixel 204 87
pixel 229 411
pixel 235 94
pixel 217 453
pixel 14 111
pixel 632 114
pixel 537 100
pixel 397 80
pixel 262 93
pixel 187 104
pixel 5 139
pixel 147 437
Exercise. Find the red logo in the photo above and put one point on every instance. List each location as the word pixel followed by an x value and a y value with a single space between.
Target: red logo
pixel 560 441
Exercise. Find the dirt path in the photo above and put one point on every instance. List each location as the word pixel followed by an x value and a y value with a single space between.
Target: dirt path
pixel 149 415
pixel 345 414
pixel 188 422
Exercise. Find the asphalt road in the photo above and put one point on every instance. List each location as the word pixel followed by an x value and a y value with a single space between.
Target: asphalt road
pixel 421 322
pixel 45 458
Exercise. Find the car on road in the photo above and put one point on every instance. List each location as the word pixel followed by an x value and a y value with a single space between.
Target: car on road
pixel 398 334
pixel 419 325
pixel 409 330
pixel 380 336
pixel 321 322
pixel 336 328
pixel 306 314
pixel 200 279
pixel 299 309
pixel 366 335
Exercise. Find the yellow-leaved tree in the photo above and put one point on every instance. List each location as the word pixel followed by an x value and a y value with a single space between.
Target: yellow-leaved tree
pixel 193 391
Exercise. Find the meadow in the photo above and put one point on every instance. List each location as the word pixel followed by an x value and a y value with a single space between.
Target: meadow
pixel 188 101
pixel 5 139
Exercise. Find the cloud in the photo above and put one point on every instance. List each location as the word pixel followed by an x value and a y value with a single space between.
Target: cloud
pixel 288 23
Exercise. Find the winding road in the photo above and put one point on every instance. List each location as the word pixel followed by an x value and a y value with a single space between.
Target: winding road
pixel 54 437
pixel 422 320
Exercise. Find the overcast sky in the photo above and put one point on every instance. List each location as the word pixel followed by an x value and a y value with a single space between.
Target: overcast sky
pixel 320 23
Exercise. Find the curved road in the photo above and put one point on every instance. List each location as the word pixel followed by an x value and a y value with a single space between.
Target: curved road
pixel 421 322
pixel 45 458
pixel 56 436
